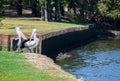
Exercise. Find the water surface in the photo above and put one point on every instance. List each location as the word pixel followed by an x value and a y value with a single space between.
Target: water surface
pixel 97 61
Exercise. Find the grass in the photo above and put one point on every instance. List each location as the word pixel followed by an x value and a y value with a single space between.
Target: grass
pixel 27 26
pixel 13 67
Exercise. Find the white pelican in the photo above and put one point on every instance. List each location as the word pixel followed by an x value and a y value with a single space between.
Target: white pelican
pixel 27 43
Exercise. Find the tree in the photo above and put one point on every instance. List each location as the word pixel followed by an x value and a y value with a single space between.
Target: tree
pixel 35 8
pixel 1 10
pixel 43 7
pixel 109 8
pixel 49 10
pixel 1 2
pixel 57 11
pixel 110 11
pixel 19 7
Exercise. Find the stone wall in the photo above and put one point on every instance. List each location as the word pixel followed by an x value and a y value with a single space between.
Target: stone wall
pixel 56 41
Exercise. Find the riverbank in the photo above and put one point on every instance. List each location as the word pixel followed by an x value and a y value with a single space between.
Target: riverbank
pixel 108 34
pixel 30 67
pixel 43 62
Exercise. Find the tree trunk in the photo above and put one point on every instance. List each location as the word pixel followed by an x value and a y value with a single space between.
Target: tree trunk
pixel 19 7
pixel 42 13
pixel 46 13
pixel 49 10
pixel 57 11
pixel 74 9
pixel 35 8
pixel 62 9
pixel 82 13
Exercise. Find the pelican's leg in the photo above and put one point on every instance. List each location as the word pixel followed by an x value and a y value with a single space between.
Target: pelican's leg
pixel 30 50
pixel 21 50
pixel 18 50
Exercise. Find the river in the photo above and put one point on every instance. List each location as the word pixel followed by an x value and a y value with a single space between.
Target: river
pixel 97 61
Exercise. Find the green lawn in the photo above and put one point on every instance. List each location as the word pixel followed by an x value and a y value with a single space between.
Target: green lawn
pixel 27 26
pixel 13 67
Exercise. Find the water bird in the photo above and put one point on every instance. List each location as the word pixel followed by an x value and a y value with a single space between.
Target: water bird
pixel 23 42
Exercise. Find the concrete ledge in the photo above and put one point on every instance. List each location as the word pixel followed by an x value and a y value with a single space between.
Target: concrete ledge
pixel 56 41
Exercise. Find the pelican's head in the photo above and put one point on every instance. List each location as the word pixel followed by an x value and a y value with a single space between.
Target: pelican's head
pixel 34 30
pixel 17 30
pixel 19 33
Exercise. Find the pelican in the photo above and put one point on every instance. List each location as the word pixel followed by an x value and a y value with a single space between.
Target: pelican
pixel 30 43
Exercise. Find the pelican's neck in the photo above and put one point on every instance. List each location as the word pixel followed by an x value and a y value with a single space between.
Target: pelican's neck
pixel 34 36
pixel 19 41
pixel 34 33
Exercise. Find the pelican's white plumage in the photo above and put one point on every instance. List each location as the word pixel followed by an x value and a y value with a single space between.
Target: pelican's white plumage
pixel 34 41
pixel 31 43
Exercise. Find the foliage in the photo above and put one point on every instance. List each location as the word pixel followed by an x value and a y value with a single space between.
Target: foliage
pixel 110 11
pixel 88 11
pixel 0 22
pixel 1 11
pixel 3 4
pixel 109 8
pixel 1 1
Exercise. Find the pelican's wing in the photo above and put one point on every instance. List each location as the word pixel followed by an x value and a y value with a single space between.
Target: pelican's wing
pixel 34 44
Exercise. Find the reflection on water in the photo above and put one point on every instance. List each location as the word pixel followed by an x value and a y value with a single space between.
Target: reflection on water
pixel 97 61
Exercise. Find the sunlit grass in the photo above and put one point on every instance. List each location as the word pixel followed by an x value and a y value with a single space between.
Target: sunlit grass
pixel 13 67
pixel 27 26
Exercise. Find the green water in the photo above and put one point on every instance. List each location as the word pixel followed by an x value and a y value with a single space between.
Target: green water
pixel 97 61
